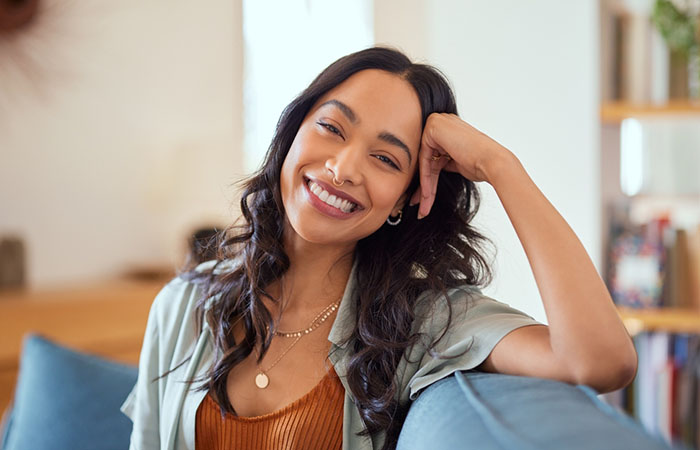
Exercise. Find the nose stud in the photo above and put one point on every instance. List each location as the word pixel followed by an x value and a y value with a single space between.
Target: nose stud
pixel 335 183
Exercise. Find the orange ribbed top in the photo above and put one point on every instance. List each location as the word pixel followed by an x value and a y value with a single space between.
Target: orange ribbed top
pixel 315 421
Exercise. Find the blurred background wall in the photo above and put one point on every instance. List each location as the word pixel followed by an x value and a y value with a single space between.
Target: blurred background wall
pixel 141 115
pixel 120 131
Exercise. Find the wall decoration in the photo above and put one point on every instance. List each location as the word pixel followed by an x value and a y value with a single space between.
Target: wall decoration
pixel 17 14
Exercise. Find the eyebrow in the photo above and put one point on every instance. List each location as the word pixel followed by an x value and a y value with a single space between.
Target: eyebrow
pixel 384 135
pixel 391 139
pixel 349 113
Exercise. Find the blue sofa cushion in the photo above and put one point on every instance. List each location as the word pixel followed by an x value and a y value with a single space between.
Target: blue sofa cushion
pixel 503 412
pixel 68 400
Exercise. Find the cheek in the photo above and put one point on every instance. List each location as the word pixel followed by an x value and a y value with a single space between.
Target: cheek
pixel 386 194
pixel 296 154
pixel 289 169
pixel 287 183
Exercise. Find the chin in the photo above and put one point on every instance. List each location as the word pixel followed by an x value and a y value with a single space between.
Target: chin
pixel 323 236
pixel 325 233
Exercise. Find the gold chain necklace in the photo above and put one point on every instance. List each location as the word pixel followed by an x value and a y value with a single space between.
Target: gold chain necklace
pixel 315 323
pixel 262 380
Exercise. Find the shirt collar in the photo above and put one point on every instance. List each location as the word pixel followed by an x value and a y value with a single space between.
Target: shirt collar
pixel 344 323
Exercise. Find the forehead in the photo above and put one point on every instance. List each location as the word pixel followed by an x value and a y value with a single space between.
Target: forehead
pixel 381 101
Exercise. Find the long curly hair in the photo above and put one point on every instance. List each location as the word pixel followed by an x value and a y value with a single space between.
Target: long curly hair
pixel 394 265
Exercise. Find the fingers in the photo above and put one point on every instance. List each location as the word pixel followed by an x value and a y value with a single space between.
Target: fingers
pixel 432 159
pixel 415 198
pixel 431 164
pixel 426 184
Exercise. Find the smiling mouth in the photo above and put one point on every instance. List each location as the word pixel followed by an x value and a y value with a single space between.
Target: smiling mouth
pixel 329 199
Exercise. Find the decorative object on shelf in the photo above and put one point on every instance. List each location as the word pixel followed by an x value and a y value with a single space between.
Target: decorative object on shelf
pixel 636 264
pixel 12 270
pixel 635 55
pixel 39 40
pixel 654 262
pixel 18 46
pixel 678 21
pixel 17 14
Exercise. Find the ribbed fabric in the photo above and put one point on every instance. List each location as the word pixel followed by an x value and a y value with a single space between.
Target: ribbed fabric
pixel 315 421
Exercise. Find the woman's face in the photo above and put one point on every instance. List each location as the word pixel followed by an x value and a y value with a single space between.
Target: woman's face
pixel 365 133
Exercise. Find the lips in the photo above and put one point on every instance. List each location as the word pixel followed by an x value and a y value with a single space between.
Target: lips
pixel 333 197
pixel 330 199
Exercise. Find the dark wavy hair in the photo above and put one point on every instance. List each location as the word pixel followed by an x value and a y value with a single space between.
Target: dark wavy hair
pixel 395 264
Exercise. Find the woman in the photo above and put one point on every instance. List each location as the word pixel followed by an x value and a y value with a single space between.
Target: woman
pixel 351 284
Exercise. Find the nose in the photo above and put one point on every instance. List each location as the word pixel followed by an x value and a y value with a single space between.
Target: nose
pixel 346 164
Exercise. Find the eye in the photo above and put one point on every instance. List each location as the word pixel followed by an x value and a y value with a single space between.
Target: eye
pixel 330 128
pixel 387 161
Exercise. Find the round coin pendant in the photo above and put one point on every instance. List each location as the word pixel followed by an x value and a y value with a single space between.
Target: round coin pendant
pixel 261 380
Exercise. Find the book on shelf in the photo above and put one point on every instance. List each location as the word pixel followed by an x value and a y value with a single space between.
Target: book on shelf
pixel 677 291
pixel 636 263
pixel 654 264
pixel 664 395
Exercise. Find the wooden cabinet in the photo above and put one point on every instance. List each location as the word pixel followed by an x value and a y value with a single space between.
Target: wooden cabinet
pixel 106 319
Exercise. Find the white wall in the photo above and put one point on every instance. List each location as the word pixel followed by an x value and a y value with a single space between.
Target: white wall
pixel 130 139
pixel 525 73
pixel 285 51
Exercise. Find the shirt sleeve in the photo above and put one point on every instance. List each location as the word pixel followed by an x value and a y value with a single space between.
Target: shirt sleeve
pixel 477 324
pixel 142 405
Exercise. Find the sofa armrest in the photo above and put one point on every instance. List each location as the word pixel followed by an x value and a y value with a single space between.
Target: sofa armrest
pixel 496 411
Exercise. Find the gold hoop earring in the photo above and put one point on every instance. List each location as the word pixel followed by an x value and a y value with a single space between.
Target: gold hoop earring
pixel 338 184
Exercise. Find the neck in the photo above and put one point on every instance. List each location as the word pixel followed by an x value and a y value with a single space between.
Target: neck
pixel 317 274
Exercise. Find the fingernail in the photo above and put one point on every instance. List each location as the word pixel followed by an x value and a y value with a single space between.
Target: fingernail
pixel 413 202
pixel 420 215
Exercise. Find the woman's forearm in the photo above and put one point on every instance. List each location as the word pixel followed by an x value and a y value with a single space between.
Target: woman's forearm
pixel 586 332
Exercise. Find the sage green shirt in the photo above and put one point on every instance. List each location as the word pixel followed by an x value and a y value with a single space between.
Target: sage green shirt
pixel 163 411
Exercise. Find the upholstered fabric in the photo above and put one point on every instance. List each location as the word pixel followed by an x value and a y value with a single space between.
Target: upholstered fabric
pixel 503 412
pixel 68 400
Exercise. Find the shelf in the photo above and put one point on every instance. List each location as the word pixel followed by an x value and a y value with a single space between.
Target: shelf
pixel 664 319
pixel 614 112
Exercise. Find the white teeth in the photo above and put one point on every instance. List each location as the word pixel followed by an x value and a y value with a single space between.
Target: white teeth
pixel 336 202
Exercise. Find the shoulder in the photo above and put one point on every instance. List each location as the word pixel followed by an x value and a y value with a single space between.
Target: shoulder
pixel 465 317
pixel 457 330
pixel 176 302
pixel 462 305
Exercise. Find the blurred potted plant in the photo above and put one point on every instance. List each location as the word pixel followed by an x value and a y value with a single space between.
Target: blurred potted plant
pixel 678 21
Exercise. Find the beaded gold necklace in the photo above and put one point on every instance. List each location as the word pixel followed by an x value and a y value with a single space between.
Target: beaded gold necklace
pixel 262 379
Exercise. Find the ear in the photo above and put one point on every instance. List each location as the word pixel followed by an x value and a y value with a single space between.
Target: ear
pixel 400 203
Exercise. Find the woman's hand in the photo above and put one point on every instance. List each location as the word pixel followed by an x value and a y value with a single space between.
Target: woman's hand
pixel 449 143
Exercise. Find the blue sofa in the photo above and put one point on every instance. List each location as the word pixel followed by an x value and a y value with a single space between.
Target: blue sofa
pixel 70 400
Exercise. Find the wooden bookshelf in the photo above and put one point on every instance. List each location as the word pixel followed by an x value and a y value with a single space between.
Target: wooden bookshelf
pixel 615 112
pixel 671 320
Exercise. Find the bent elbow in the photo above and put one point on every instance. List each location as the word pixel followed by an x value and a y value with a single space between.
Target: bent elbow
pixel 616 372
